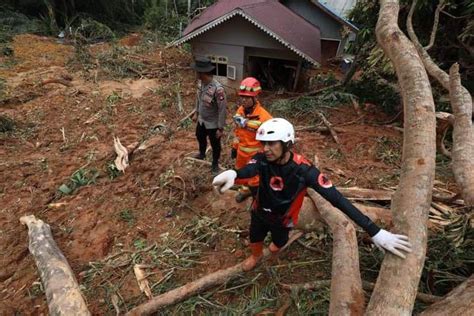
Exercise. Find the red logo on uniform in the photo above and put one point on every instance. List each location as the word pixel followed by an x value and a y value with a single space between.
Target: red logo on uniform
pixel 324 181
pixel 276 183
pixel 261 131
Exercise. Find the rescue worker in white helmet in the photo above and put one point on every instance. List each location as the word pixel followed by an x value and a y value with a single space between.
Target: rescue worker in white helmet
pixel 284 178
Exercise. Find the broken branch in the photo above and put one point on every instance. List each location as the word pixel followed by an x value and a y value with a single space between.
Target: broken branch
pixel 330 128
pixel 190 289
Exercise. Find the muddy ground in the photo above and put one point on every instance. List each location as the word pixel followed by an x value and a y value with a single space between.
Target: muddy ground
pixel 161 211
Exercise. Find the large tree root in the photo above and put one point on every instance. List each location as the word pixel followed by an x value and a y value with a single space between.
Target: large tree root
pixel 347 296
pixel 190 289
pixel 459 301
pixel 61 288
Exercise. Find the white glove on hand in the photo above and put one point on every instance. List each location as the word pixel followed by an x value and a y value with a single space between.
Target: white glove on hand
pixel 240 120
pixel 392 242
pixel 225 180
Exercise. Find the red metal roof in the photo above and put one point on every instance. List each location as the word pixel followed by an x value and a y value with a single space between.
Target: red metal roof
pixel 271 16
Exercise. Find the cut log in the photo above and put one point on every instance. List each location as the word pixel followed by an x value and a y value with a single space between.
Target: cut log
pixel 458 302
pixel 347 296
pixel 190 289
pixel 397 283
pixel 62 291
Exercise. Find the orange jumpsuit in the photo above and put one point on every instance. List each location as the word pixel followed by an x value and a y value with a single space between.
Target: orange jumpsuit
pixel 246 144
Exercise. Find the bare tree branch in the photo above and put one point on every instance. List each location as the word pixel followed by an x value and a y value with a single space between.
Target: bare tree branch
pixel 439 8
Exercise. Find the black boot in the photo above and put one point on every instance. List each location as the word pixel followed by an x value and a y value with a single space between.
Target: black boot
pixel 215 168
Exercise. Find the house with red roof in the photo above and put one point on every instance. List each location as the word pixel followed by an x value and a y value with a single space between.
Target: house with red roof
pixel 272 40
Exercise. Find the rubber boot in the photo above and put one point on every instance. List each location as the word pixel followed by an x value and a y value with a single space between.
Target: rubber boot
pixel 274 249
pixel 257 253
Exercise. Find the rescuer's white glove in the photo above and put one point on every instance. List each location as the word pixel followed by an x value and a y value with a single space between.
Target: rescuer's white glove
pixel 392 242
pixel 225 180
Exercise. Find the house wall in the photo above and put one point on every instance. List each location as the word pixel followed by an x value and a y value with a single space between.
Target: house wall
pixel 236 39
pixel 330 28
pixel 240 32
pixel 235 55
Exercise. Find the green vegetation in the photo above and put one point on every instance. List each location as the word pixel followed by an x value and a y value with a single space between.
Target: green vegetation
pixel 81 177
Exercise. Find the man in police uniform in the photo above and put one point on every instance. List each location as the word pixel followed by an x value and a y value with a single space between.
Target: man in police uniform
pixel 210 111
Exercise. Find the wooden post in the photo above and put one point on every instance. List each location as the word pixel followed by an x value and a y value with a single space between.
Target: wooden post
pixel 297 75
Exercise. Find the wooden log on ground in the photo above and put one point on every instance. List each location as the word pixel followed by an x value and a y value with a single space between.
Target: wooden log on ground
pixel 347 296
pixel 62 291
pixel 195 287
pixel 458 302
pixel 362 194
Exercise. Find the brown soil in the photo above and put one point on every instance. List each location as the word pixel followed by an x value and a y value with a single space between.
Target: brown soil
pixel 62 130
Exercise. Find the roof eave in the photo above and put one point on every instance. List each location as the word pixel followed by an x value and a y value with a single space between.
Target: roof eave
pixel 233 13
pixel 334 15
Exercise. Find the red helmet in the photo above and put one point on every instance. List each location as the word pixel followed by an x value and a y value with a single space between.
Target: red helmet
pixel 250 87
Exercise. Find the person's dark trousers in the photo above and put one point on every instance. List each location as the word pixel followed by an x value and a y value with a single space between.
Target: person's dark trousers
pixel 201 134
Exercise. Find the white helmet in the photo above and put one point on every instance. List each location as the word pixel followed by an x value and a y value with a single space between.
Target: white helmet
pixel 276 129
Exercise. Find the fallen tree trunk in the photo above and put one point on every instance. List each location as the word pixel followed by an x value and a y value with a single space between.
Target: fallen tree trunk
pixel 357 193
pixel 463 136
pixel 62 291
pixel 347 296
pixel 397 284
pixel 459 301
pixel 311 220
pixel 195 287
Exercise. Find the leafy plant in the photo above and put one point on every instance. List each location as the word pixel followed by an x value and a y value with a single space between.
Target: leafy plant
pixel 139 244
pixel 81 177
pixel 389 151
pixel 127 215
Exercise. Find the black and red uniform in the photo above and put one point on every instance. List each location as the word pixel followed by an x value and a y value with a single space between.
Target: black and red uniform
pixel 281 192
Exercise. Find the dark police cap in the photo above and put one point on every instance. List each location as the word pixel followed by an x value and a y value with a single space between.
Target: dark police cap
pixel 202 64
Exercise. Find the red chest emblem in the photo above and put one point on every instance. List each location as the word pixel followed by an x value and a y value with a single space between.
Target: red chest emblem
pixel 276 183
pixel 324 181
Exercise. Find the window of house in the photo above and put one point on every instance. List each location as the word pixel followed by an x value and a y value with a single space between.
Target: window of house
pixel 220 64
